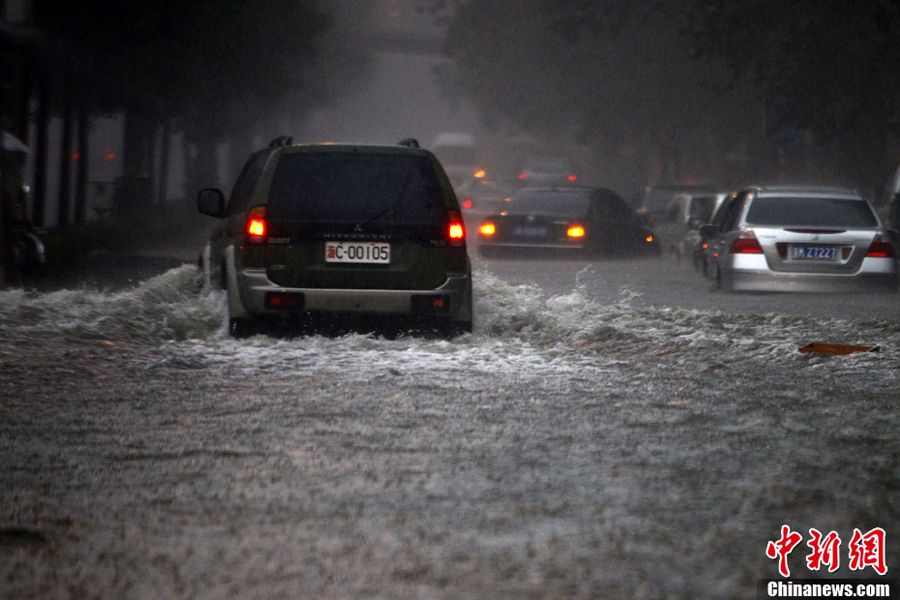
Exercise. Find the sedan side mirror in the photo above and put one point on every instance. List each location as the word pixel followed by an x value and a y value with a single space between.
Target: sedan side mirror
pixel 210 201
pixel 708 232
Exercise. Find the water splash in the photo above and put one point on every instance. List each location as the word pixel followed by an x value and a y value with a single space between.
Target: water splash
pixel 170 306
pixel 516 327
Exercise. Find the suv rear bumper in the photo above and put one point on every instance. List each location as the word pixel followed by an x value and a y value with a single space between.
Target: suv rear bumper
pixel 254 286
pixel 769 281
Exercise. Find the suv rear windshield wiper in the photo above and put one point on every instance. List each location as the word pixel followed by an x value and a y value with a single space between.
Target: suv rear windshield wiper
pixel 381 213
pixel 392 208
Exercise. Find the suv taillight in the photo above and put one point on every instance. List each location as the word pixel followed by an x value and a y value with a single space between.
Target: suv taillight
pixel 257 229
pixel 456 231
pixel 881 248
pixel 746 244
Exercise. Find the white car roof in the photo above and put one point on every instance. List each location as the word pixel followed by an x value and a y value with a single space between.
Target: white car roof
pixel 800 191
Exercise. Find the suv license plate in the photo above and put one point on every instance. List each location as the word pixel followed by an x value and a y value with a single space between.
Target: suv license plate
pixel 813 253
pixel 358 252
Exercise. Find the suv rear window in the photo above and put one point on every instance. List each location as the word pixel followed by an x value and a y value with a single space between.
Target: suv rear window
pixel 818 212
pixel 356 188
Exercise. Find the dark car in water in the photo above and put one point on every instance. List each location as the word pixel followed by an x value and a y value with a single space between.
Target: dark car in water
pixel 483 196
pixel 653 202
pixel 583 220
pixel 342 230
pixel 547 170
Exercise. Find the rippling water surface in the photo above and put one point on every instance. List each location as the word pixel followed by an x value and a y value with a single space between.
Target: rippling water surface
pixel 580 446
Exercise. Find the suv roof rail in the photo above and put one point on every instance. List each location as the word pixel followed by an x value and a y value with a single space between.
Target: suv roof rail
pixel 280 141
pixel 409 143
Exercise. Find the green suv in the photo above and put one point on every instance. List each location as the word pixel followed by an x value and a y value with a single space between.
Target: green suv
pixel 343 230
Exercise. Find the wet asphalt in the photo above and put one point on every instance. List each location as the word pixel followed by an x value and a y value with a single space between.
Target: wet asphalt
pixel 610 430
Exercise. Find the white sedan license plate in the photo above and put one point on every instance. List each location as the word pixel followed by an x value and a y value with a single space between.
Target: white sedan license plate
pixel 358 252
pixel 813 253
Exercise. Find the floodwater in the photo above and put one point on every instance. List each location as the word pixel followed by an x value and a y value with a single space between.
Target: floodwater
pixel 577 444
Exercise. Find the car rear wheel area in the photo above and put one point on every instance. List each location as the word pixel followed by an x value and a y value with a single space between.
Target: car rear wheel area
pixel 341 324
pixel 256 306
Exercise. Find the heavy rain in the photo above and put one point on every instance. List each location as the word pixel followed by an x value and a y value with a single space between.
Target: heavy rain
pixel 635 413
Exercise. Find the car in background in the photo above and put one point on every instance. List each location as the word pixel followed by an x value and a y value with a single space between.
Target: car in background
pixel 802 239
pixel 679 231
pixel 340 230
pixel 547 170
pixel 458 155
pixel 652 203
pixel 22 253
pixel 702 251
pixel 578 220
pixel 481 196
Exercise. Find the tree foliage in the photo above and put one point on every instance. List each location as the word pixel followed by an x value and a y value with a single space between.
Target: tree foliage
pixel 615 75
pixel 183 58
pixel 694 82
pixel 829 65
pixel 214 70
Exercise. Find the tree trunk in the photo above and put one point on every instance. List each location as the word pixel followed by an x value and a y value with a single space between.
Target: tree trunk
pixel 150 173
pixel 133 194
pixel 863 149
pixel 239 149
pixel 40 155
pixel 163 189
pixel 135 147
pixel 65 165
pixel 186 149
pixel 81 176
pixel 202 136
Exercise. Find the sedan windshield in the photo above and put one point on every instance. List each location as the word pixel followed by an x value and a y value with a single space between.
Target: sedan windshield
pixel 546 164
pixel 563 204
pixel 815 212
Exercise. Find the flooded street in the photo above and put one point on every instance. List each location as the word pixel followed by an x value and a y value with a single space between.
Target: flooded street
pixel 609 431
